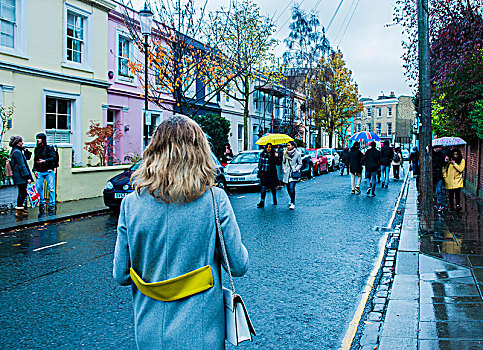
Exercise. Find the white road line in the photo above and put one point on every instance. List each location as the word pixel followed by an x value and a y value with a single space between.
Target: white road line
pixel 49 246
pixel 241 197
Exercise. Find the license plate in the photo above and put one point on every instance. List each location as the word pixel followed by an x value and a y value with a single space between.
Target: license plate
pixel 238 179
pixel 119 195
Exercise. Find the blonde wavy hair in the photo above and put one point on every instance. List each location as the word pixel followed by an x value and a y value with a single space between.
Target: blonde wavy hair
pixel 177 165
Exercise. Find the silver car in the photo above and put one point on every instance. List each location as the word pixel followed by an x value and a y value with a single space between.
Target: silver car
pixel 333 158
pixel 243 170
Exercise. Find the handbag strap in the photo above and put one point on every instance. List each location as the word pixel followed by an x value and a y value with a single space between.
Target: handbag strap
pixel 222 240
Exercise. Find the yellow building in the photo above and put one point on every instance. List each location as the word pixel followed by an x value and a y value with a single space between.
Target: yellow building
pixel 53 68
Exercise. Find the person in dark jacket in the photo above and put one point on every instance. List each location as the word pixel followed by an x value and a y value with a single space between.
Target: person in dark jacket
pixel 387 155
pixel 355 167
pixel 267 172
pixel 45 159
pixel 438 165
pixel 372 161
pixel 21 173
pixel 345 161
pixel 414 161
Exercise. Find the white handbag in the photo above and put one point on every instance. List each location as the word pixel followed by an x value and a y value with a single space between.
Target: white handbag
pixel 238 326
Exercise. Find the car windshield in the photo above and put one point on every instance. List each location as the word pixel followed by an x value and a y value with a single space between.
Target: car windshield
pixel 313 153
pixel 135 166
pixel 246 158
pixel 327 152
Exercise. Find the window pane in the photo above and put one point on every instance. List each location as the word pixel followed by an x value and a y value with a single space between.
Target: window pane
pixel 76 57
pixel 63 122
pixel 50 105
pixel 7 11
pixel 62 106
pixel 7 40
pixel 50 121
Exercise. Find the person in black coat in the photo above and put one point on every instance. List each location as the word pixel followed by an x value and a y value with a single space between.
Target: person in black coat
pixel 267 172
pixel 372 162
pixel 354 157
pixel 21 173
pixel 414 161
pixel 345 161
pixel 45 161
pixel 438 163
pixel 387 155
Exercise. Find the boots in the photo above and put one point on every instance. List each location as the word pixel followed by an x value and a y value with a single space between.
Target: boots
pixel 21 212
pixel 51 210
pixel 42 210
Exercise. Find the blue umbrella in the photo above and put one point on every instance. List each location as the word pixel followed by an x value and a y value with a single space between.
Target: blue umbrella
pixel 364 136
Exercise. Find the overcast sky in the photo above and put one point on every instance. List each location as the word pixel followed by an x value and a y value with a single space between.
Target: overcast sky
pixel 371 49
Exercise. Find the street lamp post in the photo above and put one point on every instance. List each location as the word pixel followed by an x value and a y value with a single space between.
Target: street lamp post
pixel 146 21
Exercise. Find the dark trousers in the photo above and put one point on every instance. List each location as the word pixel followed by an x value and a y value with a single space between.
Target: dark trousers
pixel 291 191
pixel 454 193
pixel 263 192
pixel 395 171
pixel 22 194
pixel 373 177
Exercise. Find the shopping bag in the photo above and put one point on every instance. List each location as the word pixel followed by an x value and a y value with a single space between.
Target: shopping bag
pixel 33 195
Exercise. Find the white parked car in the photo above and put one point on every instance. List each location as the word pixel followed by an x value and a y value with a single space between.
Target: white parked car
pixel 405 154
pixel 333 158
pixel 243 169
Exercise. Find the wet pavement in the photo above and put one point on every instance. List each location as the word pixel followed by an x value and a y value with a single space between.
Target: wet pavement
pixel 307 270
pixel 434 287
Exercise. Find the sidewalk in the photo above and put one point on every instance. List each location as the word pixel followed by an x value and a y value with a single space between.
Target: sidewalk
pixel 429 294
pixel 64 211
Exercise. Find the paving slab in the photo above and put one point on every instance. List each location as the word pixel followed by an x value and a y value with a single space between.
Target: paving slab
pixel 405 287
pixel 451 312
pixel 447 300
pixel 401 319
pixel 451 330
pixel 398 343
pixel 430 264
pixel 450 344
pixel 407 263
pixel 476 260
pixel 439 289
pixel 409 239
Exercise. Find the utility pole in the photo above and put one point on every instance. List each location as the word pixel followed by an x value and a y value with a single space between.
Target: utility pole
pixel 426 222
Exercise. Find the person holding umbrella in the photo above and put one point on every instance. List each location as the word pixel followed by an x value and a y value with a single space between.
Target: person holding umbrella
pixel 355 167
pixel 372 162
pixel 453 177
pixel 267 172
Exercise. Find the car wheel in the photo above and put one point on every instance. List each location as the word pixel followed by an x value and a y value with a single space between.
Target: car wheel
pixel 222 184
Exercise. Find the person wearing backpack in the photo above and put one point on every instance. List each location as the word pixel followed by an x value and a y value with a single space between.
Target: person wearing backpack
pixel 45 161
pixel 20 173
pixel 397 161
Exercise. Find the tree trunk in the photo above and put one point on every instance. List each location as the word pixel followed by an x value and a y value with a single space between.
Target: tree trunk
pixel 331 135
pixel 246 112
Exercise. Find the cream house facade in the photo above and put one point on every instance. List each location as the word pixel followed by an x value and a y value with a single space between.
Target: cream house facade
pixel 53 69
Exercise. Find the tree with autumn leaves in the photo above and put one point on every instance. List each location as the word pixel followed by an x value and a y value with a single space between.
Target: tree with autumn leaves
pixel 456 59
pixel 102 144
pixel 334 96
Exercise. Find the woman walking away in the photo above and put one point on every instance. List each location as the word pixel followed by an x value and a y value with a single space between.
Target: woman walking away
pixel 291 165
pixel 345 161
pixel 267 172
pixel 21 173
pixel 355 167
pixel 397 161
pixel 453 177
pixel 167 229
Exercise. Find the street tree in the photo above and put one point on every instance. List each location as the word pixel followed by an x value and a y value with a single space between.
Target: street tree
pixel 180 61
pixel 246 41
pixel 306 44
pixel 217 128
pixel 334 96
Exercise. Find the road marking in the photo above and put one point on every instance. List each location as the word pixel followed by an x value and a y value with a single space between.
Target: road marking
pixel 241 197
pixel 49 246
pixel 353 325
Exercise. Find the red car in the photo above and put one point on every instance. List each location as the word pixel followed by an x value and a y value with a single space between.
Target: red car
pixel 319 160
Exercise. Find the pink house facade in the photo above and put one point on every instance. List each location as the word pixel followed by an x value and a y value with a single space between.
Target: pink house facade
pixel 125 96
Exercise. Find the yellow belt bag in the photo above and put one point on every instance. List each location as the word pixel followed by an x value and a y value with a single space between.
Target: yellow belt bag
pixel 176 288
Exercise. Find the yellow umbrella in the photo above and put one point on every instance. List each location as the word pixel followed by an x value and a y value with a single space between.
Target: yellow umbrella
pixel 274 139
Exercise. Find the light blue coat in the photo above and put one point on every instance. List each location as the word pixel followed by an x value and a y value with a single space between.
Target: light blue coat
pixel 162 241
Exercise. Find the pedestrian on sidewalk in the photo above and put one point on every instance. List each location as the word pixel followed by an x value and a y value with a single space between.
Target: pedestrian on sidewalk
pixel 345 161
pixel 267 173
pixel 21 173
pixel 372 162
pixel 167 229
pixel 453 177
pixel 414 162
pixel 45 162
pixel 397 161
pixel 438 162
pixel 355 167
pixel 387 155
pixel 291 164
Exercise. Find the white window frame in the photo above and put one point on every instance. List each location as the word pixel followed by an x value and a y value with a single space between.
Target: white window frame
pixel 240 138
pixel 148 122
pixel 369 111
pixel 130 80
pixel 359 127
pixel 379 111
pixel 76 119
pixel 389 133
pixel 86 55
pixel 389 111
pixel 379 128
pixel 20 31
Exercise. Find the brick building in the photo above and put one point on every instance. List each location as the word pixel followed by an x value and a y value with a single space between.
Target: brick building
pixel 473 174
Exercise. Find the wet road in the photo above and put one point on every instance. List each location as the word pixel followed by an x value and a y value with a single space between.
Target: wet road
pixel 307 269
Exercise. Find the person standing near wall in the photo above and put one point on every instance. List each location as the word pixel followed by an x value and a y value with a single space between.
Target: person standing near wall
pixel 21 173
pixel 45 161
pixel 453 177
